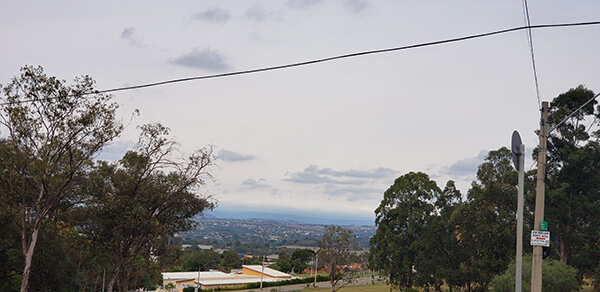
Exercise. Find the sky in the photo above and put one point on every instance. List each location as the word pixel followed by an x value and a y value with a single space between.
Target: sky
pixel 325 139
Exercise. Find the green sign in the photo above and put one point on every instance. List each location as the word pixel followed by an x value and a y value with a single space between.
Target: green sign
pixel 544 226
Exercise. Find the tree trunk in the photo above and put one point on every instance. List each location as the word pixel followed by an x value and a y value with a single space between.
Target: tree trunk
pixel 29 248
pixel 111 283
pixel 562 254
pixel 28 254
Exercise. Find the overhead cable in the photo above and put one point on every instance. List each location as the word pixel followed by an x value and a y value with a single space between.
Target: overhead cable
pixel 315 61
pixel 453 40
pixel 530 41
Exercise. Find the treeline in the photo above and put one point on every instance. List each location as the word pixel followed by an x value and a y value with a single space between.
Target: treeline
pixel 70 223
pixel 428 236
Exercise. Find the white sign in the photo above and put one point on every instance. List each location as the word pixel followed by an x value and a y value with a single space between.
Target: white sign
pixel 540 238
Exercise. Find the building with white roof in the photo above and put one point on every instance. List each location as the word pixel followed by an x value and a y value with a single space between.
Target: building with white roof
pixel 216 279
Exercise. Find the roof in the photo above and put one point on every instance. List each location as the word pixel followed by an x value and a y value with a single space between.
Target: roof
pixel 267 271
pixel 194 275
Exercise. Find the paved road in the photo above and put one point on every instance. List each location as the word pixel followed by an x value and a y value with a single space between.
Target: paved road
pixel 295 287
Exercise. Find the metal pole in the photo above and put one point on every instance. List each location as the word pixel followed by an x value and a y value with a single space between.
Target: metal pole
pixel 196 288
pixel 316 268
pixel 519 260
pixel 536 259
pixel 262 272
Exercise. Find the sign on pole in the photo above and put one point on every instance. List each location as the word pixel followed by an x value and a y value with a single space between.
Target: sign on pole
pixel 516 148
pixel 540 238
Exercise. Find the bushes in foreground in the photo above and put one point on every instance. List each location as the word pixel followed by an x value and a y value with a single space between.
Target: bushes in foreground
pixel 556 277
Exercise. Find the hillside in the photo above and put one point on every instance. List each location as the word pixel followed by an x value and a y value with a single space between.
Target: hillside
pixel 264 236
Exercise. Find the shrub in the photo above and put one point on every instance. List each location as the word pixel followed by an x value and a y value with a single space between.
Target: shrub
pixel 556 276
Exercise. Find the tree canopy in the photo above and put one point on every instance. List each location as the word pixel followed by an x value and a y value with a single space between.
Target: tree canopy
pixel 335 253
pixel 154 195
pixel 573 180
pixel 53 131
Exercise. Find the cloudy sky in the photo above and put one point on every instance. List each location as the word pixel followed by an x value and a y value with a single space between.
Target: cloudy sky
pixel 327 138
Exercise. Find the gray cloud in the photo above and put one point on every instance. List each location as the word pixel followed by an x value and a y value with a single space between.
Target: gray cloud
pixel 206 59
pixel 303 4
pixel 357 6
pixel 129 35
pixel 373 173
pixel 353 191
pixel 467 166
pixel 315 175
pixel 213 15
pixel 254 184
pixel 258 14
pixel 231 156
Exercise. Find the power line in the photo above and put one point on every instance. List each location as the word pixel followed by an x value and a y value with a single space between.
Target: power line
pixel 530 41
pixel 316 61
pixel 352 55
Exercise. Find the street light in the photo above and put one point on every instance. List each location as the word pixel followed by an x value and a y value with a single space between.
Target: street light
pixel 200 269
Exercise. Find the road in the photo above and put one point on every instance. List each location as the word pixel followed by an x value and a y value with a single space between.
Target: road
pixel 360 281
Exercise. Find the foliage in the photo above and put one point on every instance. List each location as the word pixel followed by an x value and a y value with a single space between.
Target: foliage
pixel 486 223
pixel 283 263
pixel 53 131
pixel 205 259
pixel 300 259
pixel 230 260
pixel 572 196
pixel 440 255
pixel 401 220
pixel 427 237
pixel 154 196
pixel 335 253
pixel 11 256
pixel 556 277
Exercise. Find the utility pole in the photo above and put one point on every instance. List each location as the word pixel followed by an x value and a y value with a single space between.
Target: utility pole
pixel 536 259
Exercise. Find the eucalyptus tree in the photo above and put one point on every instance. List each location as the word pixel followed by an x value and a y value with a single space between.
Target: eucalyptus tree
pixel 336 250
pixel 486 223
pixel 402 219
pixel 440 255
pixel 53 130
pixel 138 202
pixel 573 179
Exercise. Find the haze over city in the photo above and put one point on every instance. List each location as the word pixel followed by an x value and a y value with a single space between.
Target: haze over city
pixel 323 140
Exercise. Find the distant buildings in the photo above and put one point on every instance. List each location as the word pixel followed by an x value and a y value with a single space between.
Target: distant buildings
pixel 216 279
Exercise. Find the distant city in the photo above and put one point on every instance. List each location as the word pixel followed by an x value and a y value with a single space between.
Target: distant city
pixel 289 215
pixel 261 236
